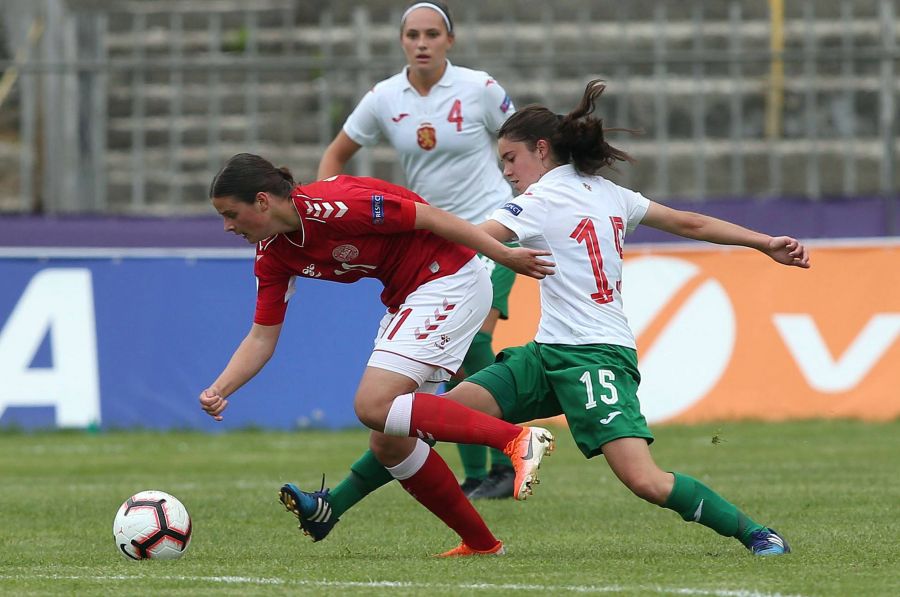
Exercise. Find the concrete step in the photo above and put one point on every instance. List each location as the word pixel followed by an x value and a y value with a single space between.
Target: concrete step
pixel 184 190
pixel 507 36
pixel 291 113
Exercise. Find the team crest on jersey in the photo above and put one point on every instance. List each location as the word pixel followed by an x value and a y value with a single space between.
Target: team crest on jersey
pixel 513 208
pixel 426 136
pixel 345 253
pixel 504 107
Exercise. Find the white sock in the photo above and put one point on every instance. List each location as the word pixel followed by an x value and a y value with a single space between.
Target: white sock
pixel 412 463
pixel 400 416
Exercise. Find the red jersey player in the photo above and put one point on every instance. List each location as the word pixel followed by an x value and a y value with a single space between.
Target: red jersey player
pixel 437 293
pixel 351 228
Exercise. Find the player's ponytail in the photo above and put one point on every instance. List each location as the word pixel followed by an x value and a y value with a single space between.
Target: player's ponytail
pixel 580 135
pixel 246 174
pixel 575 138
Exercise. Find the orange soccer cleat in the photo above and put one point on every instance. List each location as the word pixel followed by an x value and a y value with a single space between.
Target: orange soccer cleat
pixel 526 452
pixel 463 550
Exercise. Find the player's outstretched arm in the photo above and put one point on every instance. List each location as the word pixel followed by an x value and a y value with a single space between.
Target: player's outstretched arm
pixel 253 352
pixel 519 259
pixel 783 249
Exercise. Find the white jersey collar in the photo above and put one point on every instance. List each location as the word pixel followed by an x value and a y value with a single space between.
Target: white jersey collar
pixel 445 81
pixel 564 171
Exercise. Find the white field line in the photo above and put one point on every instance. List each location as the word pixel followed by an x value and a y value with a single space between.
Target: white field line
pixel 409 585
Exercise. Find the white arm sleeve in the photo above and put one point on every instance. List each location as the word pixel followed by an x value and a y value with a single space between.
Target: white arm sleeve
pixel 363 125
pixel 525 215
pixel 636 206
pixel 497 107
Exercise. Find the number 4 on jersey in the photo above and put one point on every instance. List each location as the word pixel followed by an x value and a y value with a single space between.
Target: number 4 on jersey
pixel 455 115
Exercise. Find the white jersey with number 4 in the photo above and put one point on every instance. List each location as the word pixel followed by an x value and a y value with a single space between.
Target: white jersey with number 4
pixel 582 221
pixel 445 139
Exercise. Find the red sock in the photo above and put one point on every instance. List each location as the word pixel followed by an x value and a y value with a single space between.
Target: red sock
pixel 435 487
pixel 448 421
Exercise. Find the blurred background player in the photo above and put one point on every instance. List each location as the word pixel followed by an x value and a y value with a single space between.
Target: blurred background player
pixel 583 361
pixel 420 255
pixel 442 120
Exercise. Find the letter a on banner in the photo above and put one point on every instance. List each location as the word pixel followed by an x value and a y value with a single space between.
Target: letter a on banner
pixel 58 302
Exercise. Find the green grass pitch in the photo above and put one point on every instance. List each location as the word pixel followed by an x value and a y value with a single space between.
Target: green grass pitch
pixel 832 488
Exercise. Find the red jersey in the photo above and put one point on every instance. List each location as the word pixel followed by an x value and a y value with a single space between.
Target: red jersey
pixel 350 228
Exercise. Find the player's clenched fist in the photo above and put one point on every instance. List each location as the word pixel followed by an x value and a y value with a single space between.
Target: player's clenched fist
pixel 212 403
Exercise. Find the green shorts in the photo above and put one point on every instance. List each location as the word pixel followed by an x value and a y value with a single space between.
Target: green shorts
pixel 594 386
pixel 502 279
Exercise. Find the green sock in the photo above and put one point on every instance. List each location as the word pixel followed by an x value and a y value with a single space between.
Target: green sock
pixel 366 475
pixel 474 458
pixel 696 502
pixel 498 458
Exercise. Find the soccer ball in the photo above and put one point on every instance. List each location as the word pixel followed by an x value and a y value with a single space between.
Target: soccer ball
pixel 152 525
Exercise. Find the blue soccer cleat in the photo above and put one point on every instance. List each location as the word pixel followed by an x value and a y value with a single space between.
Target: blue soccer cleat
pixel 767 542
pixel 311 509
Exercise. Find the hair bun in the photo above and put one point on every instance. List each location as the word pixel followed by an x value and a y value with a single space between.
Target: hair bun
pixel 286 174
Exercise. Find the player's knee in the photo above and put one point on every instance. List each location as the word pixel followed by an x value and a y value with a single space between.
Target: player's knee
pixel 389 450
pixel 647 487
pixel 371 413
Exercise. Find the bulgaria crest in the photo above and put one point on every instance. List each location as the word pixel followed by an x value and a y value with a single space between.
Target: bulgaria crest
pixel 426 136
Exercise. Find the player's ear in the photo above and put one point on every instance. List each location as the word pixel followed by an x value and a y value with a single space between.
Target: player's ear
pixel 262 200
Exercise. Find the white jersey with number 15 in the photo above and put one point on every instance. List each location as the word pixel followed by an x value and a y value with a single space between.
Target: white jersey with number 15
pixel 582 221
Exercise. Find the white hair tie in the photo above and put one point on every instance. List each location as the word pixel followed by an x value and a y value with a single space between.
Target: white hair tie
pixel 434 7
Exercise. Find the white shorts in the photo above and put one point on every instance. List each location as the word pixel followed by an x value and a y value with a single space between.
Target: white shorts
pixel 428 337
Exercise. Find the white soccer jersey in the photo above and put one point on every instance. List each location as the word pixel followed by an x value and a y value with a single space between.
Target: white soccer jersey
pixel 582 221
pixel 445 139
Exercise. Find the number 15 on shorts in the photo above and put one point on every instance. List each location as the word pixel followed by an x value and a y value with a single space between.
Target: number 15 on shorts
pixel 608 393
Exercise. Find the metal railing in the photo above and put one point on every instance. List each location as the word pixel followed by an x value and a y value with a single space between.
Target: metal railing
pixel 132 109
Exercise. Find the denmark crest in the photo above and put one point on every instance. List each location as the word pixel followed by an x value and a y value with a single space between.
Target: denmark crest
pixel 345 253
pixel 426 136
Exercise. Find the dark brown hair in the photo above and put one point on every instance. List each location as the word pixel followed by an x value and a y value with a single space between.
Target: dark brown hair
pixel 575 138
pixel 246 174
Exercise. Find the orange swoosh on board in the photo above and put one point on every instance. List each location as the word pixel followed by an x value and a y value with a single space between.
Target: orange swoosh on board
pixel 648 337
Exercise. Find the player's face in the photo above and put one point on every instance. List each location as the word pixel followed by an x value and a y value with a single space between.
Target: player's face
pixel 425 40
pixel 252 221
pixel 521 166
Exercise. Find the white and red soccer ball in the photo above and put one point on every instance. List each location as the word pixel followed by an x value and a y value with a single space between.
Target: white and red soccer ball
pixel 152 525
